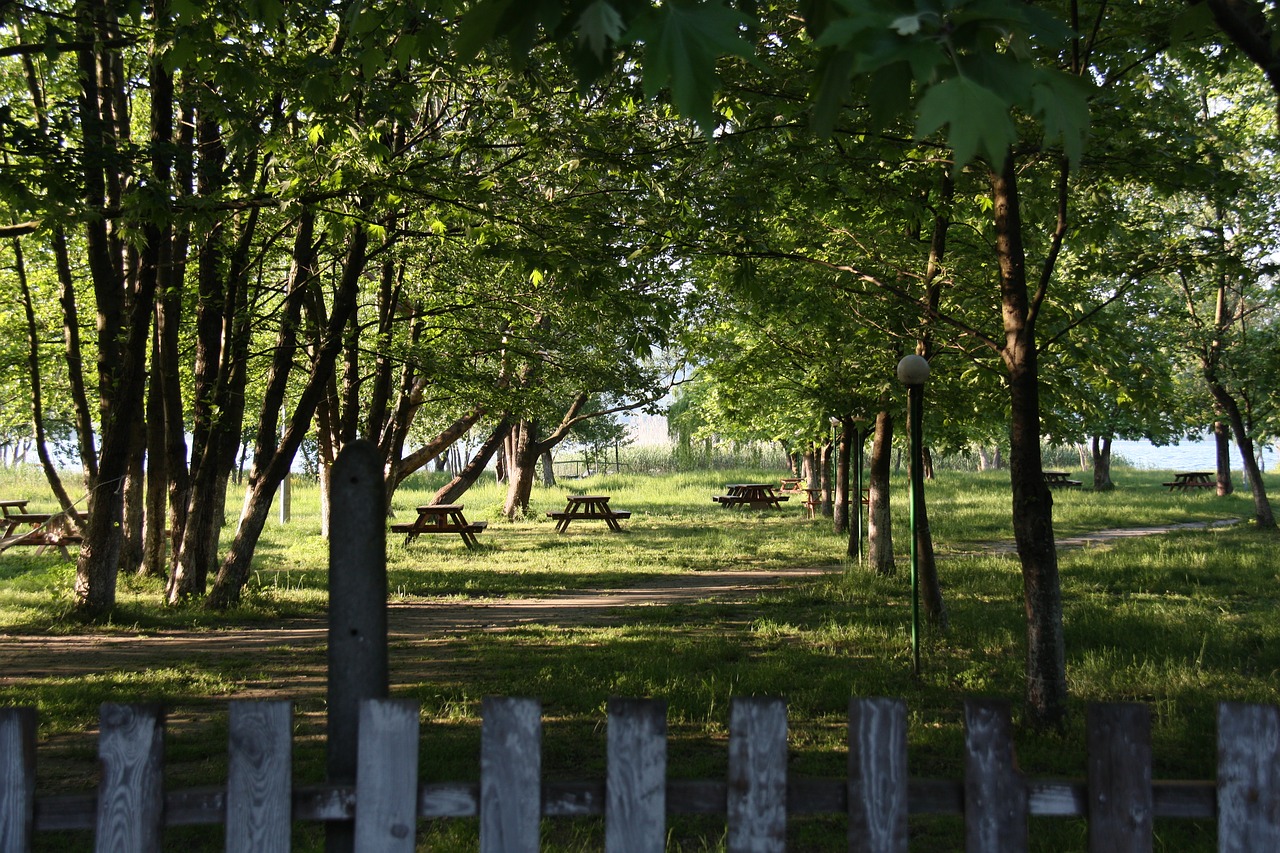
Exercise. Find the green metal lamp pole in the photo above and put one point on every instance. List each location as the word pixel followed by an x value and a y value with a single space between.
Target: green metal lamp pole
pixel 913 370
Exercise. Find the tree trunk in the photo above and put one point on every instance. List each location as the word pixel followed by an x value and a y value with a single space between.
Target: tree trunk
pixel 521 466
pixel 1100 450
pixel 33 377
pixel 1046 680
pixel 467 477
pixel 841 502
pixel 272 460
pixel 1222 456
pixel 826 455
pixel 879 520
pixel 1263 516
pixel 154 545
pixel 926 564
pixel 135 498
pixel 548 469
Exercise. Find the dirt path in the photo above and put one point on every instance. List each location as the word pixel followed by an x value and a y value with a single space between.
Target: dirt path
pixel 26 656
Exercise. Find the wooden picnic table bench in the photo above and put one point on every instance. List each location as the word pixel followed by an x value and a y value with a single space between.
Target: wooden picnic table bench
pixel 588 507
pixel 441 518
pixel 41 530
pixel 1060 480
pixel 13 507
pixel 791 484
pixel 813 500
pixel 754 495
pixel 1186 480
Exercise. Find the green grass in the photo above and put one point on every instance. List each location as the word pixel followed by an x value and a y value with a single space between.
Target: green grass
pixel 1179 621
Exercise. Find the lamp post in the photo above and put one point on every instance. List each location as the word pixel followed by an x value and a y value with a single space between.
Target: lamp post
pixel 855 502
pixel 913 370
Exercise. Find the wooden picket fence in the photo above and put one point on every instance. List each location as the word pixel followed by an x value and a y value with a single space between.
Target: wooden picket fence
pixel 259 802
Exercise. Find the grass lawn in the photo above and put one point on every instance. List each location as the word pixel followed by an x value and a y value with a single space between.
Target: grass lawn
pixel 1179 621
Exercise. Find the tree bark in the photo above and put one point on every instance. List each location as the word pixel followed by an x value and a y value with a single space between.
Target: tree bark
pixel 1222 456
pixel 1046 681
pixel 272 461
pixel 1263 516
pixel 471 472
pixel 33 377
pixel 841 502
pixel 879 520
pixel 1100 451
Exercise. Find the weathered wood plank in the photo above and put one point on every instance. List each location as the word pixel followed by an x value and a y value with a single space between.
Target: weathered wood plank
pixel 1248 777
pixel 757 804
pixel 17 777
pixel 878 804
pixel 995 801
pixel 635 818
pixel 387 776
pixel 510 775
pixel 1121 800
pixel 131 787
pixel 259 797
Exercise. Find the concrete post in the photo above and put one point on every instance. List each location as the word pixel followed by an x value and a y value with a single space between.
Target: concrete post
pixel 357 611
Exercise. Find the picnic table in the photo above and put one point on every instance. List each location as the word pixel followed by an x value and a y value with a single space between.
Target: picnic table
pixel 791 484
pixel 754 495
pixel 588 507
pixel 1186 480
pixel 441 518
pixel 43 530
pixel 813 500
pixel 1060 480
pixel 13 507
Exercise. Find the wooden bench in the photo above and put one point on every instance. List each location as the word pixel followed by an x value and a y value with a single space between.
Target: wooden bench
pixel 1191 480
pixel 48 530
pixel 441 518
pixel 589 507
pixel 1060 480
pixel 13 507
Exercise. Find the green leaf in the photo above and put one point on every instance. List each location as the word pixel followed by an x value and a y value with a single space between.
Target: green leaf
pixel 599 26
pixel 1192 24
pixel 833 90
pixel 682 46
pixel 479 26
pixel 890 93
pixel 1062 105
pixel 977 120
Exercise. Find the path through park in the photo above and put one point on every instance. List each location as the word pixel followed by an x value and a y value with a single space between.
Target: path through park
pixel 420 624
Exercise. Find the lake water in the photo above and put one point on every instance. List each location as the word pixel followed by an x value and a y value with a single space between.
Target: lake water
pixel 1198 455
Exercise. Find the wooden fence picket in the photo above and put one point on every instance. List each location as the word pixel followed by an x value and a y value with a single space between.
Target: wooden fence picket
pixel 636 788
pixel 995 800
pixel 387 776
pixel 1121 802
pixel 878 803
pixel 510 775
pixel 1248 777
pixel 258 805
pixel 259 777
pixel 757 797
pixel 131 790
pixel 17 777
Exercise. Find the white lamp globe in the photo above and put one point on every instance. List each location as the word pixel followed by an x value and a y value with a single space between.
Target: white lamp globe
pixel 913 370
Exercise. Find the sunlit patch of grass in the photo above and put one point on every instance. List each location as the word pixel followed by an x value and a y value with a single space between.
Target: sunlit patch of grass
pixel 1179 621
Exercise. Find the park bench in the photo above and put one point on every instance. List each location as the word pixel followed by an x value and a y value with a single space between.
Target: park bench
pixel 46 530
pixel 1060 480
pixel 589 507
pixel 1187 480
pixel 441 518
